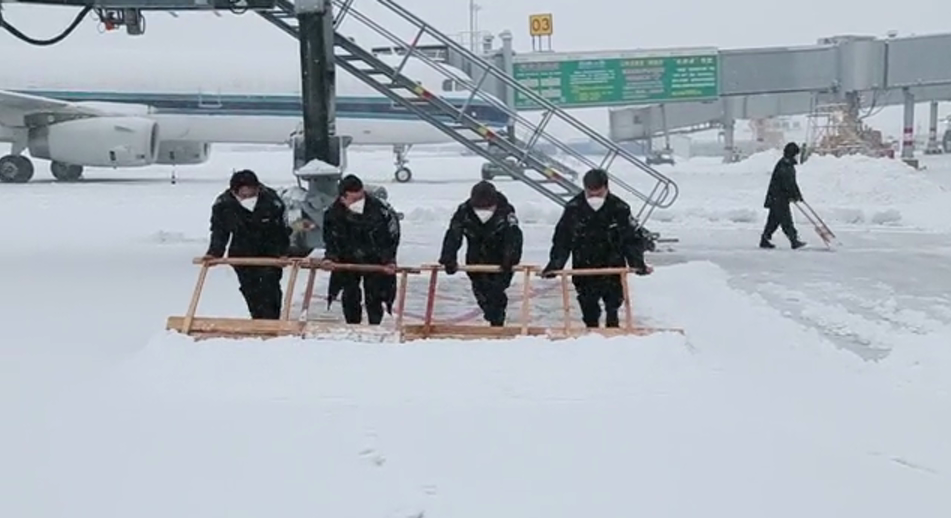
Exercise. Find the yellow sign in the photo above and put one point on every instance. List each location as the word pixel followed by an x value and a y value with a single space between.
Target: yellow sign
pixel 540 25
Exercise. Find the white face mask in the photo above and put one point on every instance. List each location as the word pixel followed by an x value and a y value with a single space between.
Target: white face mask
pixel 357 206
pixel 484 214
pixel 596 202
pixel 249 203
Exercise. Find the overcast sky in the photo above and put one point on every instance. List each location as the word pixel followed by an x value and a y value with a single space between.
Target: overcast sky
pixel 579 25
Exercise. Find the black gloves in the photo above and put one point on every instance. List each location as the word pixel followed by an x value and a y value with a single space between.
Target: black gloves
pixel 549 271
pixel 451 267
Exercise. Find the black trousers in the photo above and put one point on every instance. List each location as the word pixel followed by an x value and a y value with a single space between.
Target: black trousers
pixel 352 297
pixel 595 289
pixel 489 291
pixel 261 287
pixel 780 215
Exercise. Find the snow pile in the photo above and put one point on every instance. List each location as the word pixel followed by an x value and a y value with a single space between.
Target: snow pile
pixel 865 190
pixel 854 190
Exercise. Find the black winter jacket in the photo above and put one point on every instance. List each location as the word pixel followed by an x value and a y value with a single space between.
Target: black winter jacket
pixel 497 241
pixel 369 238
pixel 605 238
pixel 783 187
pixel 263 232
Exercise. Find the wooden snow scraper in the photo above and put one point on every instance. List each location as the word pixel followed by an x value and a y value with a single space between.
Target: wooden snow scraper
pixel 404 326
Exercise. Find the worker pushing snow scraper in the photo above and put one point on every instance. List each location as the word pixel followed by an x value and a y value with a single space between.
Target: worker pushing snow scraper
pixel 597 230
pixel 360 228
pixel 248 220
pixel 490 227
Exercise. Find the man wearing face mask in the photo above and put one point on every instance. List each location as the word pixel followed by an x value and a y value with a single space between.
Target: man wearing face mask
pixel 597 230
pixel 251 216
pixel 488 223
pixel 360 228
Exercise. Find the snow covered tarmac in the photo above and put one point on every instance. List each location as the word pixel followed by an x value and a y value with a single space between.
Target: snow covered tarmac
pixel 764 409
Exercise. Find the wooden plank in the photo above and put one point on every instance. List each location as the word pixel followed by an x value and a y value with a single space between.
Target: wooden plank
pixel 480 268
pixel 308 295
pixel 236 326
pixel 244 328
pixel 565 302
pixel 401 299
pixel 289 295
pixel 628 311
pixel 196 296
pixel 452 331
pixel 431 299
pixel 526 316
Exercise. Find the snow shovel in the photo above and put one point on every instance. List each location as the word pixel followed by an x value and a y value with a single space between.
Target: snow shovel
pixel 825 233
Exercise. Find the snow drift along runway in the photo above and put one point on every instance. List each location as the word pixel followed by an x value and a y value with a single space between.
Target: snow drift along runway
pixel 756 412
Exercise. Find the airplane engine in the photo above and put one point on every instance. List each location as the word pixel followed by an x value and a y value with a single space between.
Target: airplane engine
pixel 97 142
pixel 177 152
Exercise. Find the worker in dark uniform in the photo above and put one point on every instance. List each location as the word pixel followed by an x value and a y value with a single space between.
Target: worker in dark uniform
pixel 783 190
pixel 251 216
pixel 598 231
pixel 360 228
pixel 487 220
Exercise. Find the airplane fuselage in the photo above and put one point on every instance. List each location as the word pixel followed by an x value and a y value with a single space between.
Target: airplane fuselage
pixel 222 99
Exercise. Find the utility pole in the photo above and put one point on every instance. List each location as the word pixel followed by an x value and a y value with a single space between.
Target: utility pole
pixel 474 25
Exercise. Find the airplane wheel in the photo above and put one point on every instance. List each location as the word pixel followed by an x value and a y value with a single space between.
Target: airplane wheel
pixel 16 169
pixel 403 175
pixel 65 172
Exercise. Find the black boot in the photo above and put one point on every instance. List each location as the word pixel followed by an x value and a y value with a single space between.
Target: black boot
pixel 764 243
pixel 796 244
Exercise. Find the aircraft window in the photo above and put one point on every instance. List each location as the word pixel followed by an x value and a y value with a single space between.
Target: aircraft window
pixel 447 85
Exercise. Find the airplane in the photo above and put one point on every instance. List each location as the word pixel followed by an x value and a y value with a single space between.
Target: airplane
pixel 124 108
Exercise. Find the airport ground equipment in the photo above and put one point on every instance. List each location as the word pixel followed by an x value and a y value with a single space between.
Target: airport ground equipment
pixel 836 130
pixel 305 320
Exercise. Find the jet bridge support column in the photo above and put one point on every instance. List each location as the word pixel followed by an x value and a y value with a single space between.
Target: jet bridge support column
pixel 908 141
pixel 729 132
pixel 933 147
pixel 322 149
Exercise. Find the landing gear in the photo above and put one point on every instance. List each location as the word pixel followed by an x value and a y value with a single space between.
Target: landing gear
pixel 16 169
pixel 65 172
pixel 403 174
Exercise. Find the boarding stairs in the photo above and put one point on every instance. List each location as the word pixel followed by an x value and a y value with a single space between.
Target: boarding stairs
pixel 517 156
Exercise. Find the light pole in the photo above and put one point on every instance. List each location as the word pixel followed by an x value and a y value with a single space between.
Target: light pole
pixel 474 9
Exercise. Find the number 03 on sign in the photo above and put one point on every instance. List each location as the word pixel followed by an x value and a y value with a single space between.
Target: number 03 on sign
pixel 540 25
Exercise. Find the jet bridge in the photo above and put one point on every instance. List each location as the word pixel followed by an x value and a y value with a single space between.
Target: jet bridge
pixel 862 72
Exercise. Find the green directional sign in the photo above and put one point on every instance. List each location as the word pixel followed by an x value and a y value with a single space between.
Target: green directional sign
pixel 577 83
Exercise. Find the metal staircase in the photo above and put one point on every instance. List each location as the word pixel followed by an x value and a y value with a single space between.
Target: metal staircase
pixel 517 156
